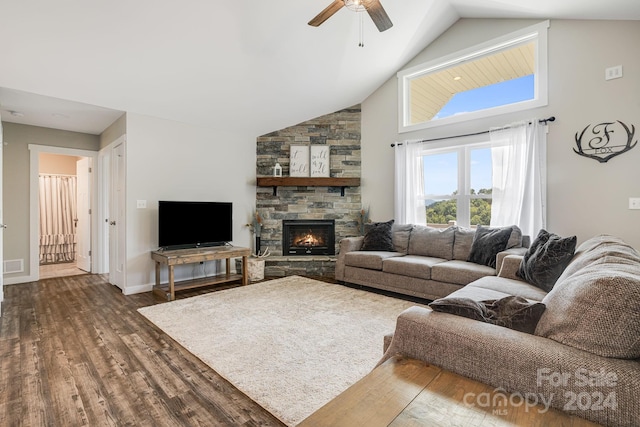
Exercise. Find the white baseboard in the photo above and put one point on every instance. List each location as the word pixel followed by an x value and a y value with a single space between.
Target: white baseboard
pixel 19 279
pixel 130 290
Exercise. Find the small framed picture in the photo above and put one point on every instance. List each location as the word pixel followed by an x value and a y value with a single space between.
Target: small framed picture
pixel 299 160
pixel 319 165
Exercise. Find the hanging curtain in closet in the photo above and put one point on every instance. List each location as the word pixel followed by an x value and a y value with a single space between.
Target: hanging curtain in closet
pixel 57 219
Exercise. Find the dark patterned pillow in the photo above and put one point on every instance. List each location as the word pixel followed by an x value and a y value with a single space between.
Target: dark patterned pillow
pixel 546 259
pixel 465 307
pixel 516 313
pixel 511 312
pixel 487 242
pixel 378 237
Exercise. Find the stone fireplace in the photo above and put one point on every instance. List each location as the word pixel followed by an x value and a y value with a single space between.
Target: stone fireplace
pixel 308 237
pixel 338 205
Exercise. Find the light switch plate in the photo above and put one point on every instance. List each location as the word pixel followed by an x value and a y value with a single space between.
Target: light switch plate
pixel 141 204
pixel 634 202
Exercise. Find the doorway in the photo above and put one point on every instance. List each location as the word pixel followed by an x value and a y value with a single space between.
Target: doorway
pixel 64 200
pixel 62 238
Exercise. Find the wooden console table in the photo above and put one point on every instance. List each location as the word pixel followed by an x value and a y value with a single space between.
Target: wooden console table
pixel 406 392
pixel 171 258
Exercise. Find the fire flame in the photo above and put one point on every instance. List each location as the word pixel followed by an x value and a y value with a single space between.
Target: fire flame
pixel 307 240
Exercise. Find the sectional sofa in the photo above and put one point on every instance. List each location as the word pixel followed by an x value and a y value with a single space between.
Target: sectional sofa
pixel 583 355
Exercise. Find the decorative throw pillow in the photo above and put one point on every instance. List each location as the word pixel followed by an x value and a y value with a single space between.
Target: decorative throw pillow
pixel 465 307
pixel 546 259
pixel 378 237
pixel 487 242
pixel 513 312
pixel 516 313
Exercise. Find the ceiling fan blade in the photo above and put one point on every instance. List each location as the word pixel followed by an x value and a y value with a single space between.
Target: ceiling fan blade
pixel 378 15
pixel 327 13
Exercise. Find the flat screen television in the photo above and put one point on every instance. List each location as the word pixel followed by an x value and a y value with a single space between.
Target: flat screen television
pixel 194 224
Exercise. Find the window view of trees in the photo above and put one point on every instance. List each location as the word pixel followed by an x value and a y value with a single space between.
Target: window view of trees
pixel 443 211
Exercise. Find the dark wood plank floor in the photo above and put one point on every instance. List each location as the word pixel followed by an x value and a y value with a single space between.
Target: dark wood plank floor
pixel 74 351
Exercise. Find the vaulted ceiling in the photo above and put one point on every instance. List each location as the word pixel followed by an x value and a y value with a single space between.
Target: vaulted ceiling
pixel 225 65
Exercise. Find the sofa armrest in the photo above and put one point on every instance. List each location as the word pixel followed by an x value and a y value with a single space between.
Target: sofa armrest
pixel 512 251
pixel 516 362
pixel 510 265
pixel 348 244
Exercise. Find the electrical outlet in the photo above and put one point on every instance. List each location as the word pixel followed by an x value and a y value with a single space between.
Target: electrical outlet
pixel 613 72
pixel 141 204
pixel 634 202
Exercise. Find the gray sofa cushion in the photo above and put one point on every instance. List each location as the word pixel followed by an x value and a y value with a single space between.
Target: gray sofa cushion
pixel 546 259
pixel 592 251
pixel 462 242
pixel 411 265
pixel 368 259
pixel 596 308
pixel 516 239
pixel 509 286
pixel 400 234
pixel 460 272
pixel 433 242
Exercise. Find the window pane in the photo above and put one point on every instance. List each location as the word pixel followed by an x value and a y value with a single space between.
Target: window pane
pixel 441 212
pixel 480 211
pixel 480 185
pixel 481 175
pixel 501 78
pixel 441 174
pixel 495 95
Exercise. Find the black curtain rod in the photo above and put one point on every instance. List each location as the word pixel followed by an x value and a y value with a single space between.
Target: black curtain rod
pixel 543 121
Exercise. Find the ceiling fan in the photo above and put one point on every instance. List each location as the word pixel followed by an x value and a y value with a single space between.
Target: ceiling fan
pixel 373 8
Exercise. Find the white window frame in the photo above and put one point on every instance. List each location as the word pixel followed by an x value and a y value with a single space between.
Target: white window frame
pixel 463 197
pixel 537 33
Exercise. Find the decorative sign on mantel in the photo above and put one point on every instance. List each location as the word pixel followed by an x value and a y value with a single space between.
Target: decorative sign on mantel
pixel 320 161
pixel 605 140
pixel 299 160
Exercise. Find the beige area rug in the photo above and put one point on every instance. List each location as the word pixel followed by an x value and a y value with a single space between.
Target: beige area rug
pixel 290 344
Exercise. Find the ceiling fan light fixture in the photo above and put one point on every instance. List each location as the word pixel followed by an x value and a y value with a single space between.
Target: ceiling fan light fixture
pixel 373 8
pixel 355 5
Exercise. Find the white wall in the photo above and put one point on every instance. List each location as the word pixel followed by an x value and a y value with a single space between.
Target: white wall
pixel 167 160
pixel 585 197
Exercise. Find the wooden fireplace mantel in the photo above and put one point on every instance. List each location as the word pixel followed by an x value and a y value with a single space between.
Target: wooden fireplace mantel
pixel 293 181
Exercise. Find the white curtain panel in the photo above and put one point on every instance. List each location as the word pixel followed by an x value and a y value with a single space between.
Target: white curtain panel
pixel 57 218
pixel 409 185
pixel 519 153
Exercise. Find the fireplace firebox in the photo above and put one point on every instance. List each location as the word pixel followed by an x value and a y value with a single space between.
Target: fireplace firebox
pixel 308 237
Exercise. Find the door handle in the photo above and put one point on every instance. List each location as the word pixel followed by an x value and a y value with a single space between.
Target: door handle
pixel 3 225
pixel 112 223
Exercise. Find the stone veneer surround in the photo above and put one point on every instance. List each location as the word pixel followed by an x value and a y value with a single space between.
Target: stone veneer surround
pixel 339 130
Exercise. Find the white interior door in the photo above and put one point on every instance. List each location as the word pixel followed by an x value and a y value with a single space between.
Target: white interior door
pixel 83 215
pixel 2 226
pixel 117 242
pixel 101 265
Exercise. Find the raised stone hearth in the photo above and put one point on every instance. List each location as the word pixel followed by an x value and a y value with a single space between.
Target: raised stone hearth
pixel 278 266
pixel 339 130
